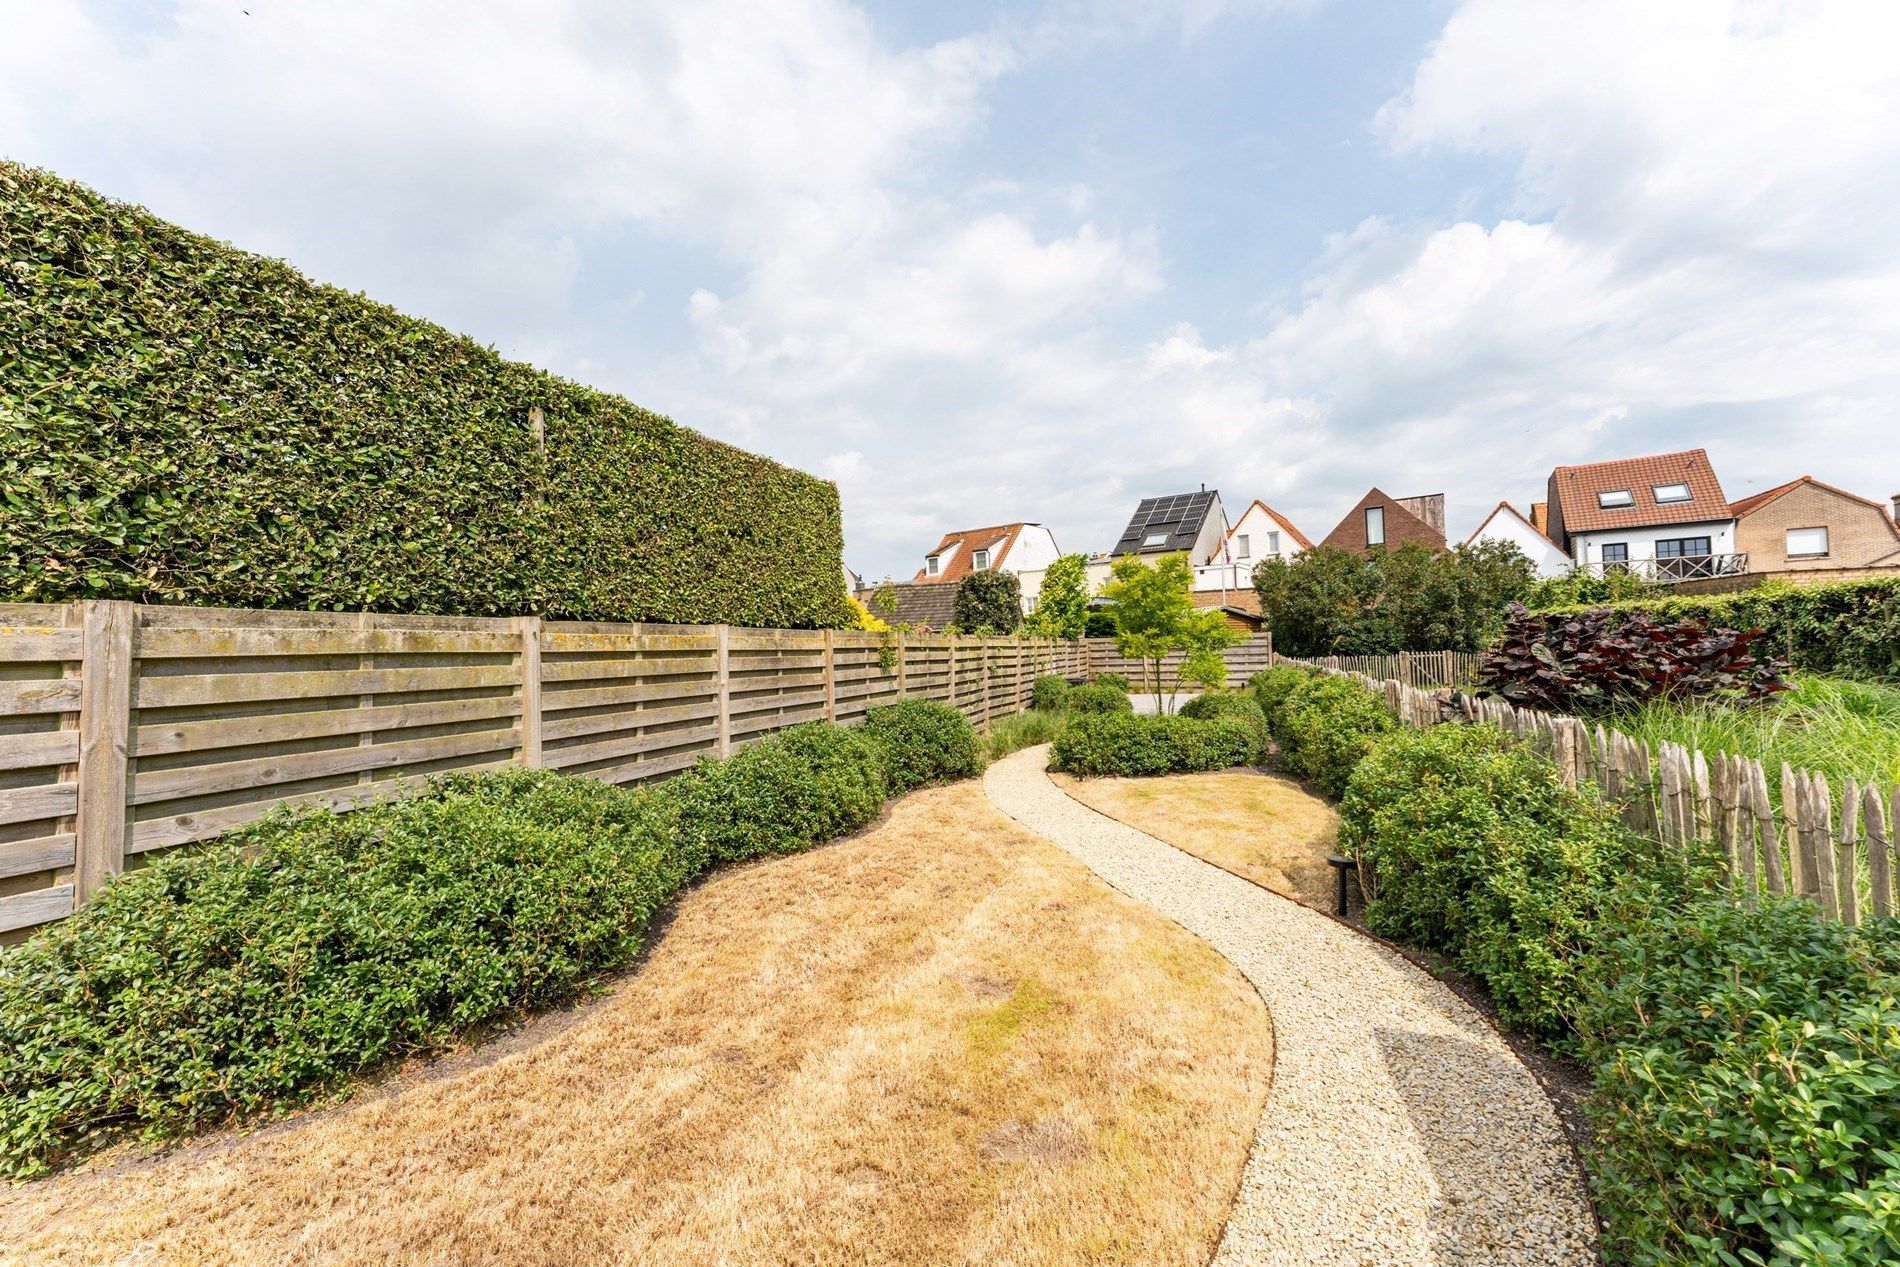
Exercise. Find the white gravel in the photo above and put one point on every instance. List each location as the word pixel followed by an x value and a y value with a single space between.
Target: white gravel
pixel 1400 1128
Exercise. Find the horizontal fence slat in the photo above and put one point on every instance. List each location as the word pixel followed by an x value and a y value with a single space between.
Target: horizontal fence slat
pixel 231 688
pixel 43 853
pixel 40 747
pixel 29 804
pixel 202 644
pixel 39 646
pixel 35 906
pixel 161 738
pixel 39 695
pixel 175 784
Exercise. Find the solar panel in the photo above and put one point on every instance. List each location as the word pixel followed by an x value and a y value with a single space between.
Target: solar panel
pixel 1178 515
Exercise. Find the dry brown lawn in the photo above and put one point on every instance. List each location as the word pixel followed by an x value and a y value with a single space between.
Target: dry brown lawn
pixel 1258 826
pixel 942 1041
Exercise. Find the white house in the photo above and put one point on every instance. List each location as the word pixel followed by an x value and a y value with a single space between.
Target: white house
pixel 1024 549
pixel 1193 524
pixel 1260 533
pixel 1662 517
pixel 1508 525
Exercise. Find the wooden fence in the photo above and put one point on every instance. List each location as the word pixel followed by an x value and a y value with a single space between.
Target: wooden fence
pixel 1242 659
pixel 1778 838
pixel 1414 668
pixel 128 730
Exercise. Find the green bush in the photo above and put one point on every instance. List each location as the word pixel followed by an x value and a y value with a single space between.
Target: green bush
pixel 1124 744
pixel 1271 687
pixel 923 741
pixel 1747 1103
pixel 1475 846
pixel 1118 681
pixel 1327 727
pixel 1221 704
pixel 787 792
pixel 1050 693
pixel 988 602
pixel 1099 697
pixel 1851 628
pixel 269 966
pixel 183 422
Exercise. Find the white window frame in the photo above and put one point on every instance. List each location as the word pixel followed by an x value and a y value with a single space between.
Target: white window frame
pixel 933 565
pixel 1273 545
pixel 1672 497
pixel 1372 511
pixel 1822 553
pixel 1240 545
pixel 980 561
pixel 1615 499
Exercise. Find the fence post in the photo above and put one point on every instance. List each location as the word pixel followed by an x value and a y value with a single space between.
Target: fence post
pixel 985 644
pixel 831 677
pixel 105 718
pixel 951 686
pixel 530 691
pixel 722 685
pixel 1016 649
pixel 903 668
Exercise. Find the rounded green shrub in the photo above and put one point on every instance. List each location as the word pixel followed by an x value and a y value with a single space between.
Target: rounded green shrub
pixel 1222 704
pixel 923 741
pixel 1124 744
pixel 269 966
pixel 787 792
pixel 1474 845
pixel 1116 681
pixel 1271 687
pixel 1327 726
pixel 1050 694
pixel 1098 697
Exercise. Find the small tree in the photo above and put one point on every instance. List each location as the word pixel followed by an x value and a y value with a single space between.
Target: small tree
pixel 1062 606
pixel 989 602
pixel 1154 617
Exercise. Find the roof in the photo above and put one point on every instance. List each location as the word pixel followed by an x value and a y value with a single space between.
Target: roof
pixel 1401 526
pixel 923 606
pixel 1180 516
pixel 1575 490
pixel 1506 507
pixel 1755 501
pixel 997 539
pixel 1286 524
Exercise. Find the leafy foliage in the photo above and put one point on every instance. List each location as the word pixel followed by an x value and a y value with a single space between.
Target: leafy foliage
pixel 1581 588
pixel 183 422
pixel 989 602
pixel 923 741
pixel 1476 847
pixel 1851 628
pixel 1099 697
pixel 1272 687
pixel 1339 602
pixel 1596 661
pixel 1124 744
pixel 787 792
pixel 1049 693
pixel 1747 1102
pixel 1327 726
pixel 1117 680
pixel 858 616
pixel 1062 604
pixel 1220 704
pixel 1155 617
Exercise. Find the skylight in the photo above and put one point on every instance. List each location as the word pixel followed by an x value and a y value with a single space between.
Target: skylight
pixel 1612 498
pixel 1155 539
pixel 1666 493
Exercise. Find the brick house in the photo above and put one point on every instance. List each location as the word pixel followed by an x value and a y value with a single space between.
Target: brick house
pixel 1807 526
pixel 1390 522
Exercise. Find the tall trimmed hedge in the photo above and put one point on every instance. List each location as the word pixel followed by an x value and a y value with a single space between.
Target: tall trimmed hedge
pixel 1850 628
pixel 185 422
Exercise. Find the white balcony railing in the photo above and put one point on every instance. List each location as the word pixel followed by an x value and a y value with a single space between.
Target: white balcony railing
pixel 1223 576
pixel 1682 567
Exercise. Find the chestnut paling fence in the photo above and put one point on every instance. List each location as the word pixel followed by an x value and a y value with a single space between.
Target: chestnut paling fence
pixel 128 730
pixel 1837 849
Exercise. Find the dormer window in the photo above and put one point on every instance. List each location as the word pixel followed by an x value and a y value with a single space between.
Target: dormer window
pixel 1616 498
pixel 1667 493
pixel 980 561
pixel 933 565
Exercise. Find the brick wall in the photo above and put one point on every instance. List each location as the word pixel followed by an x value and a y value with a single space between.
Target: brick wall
pixel 1858 534
pixel 1402 527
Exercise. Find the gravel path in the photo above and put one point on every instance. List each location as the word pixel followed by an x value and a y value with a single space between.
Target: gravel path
pixel 1400 1128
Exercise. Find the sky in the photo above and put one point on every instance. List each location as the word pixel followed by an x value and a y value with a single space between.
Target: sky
pixel 988 262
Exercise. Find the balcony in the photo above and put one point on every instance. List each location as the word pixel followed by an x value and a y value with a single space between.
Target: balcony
pixel 1681 567
pixel 1223 576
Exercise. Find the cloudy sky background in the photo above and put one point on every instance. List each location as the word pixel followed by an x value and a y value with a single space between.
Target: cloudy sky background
pixel 995 261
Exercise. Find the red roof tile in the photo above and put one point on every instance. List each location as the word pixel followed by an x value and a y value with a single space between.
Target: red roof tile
pixel 1285 523
pixel 997 540
pixel 1755 501
pixel 1574 489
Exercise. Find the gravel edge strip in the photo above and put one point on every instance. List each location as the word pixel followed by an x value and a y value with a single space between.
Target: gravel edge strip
pixel 1400 1127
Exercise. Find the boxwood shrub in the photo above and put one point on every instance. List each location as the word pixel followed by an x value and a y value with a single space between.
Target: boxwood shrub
pixel 1327 725
pixel 1099 697
pixel 923 741
pixel 1747 1102
pixel 787 792
pixel 1050 693
pixel 272 964
pixel 1474 846
pixel 1271 687
pixel 1224 704
pixel 1117 680
pixel 1124 744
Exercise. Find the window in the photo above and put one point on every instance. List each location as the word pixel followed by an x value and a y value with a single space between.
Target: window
pixel 980 561
pixel 1682 547
pixel 1155 539
pixel 1667 493
pixel 1616 552
pixel 933 565
pixel 1375 525
pixel 1240 546
pixel 1273 545
pixel 1807 543
pixel 1612 499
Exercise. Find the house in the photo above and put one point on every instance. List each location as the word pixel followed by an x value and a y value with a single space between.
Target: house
pixel 1025 549
pixel 1507 524
pixel 1193 524
pixel 924 607
pixel 1379 521
pixel 1262 532
pixel 1807 526
pixel 1239 608
pixel 1663 517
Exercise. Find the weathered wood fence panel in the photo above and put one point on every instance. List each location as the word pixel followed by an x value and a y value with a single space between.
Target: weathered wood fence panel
pixel 1788 842
pixel 127 730
pixel 1243 660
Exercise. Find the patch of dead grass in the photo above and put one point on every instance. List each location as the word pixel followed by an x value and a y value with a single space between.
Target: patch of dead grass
pixel 939 1042
pixel 1258 826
